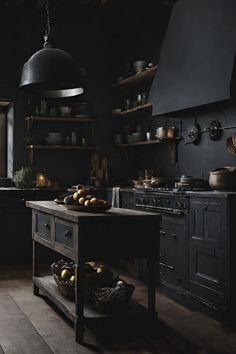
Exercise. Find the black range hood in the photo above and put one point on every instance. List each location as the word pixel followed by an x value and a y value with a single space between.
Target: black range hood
pixel 197 56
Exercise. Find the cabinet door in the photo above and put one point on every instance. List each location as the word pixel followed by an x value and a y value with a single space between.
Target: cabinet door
pixel 16 241
pixel 207 257
pixel 174 251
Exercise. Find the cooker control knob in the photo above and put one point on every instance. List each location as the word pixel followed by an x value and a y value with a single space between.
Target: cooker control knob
pixel 167 202
pixel 179 205
pixel 156 202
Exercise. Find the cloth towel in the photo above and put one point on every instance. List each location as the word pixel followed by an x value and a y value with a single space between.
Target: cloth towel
pixel 115 201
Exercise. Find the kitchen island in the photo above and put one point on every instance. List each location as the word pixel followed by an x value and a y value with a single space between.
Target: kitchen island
pixel 81 236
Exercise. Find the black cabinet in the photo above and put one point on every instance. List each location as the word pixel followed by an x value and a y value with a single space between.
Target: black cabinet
pixel 15 225
pixel 208 230
pixel 174 251
pixel 16 242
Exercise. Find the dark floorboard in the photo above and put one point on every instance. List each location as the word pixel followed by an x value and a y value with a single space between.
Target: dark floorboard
pixel 29 324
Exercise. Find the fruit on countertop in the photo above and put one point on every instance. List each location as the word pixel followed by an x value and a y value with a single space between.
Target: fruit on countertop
pixel 82 200
pixel 82 197
pixel 69 200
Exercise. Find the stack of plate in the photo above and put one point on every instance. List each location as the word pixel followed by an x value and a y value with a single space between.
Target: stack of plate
pixel 231 144
pixel 55 138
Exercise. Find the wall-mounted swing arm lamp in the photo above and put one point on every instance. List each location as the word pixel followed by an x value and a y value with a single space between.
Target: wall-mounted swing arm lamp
pixel 51 72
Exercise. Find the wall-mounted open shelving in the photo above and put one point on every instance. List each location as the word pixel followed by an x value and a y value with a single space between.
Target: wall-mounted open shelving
pixel 30 120
pixel 137 78
pixel 135 110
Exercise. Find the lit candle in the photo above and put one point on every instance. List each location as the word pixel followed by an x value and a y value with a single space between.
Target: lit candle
pixel 41 180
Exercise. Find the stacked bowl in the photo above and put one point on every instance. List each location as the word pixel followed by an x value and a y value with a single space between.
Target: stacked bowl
pixel 55 138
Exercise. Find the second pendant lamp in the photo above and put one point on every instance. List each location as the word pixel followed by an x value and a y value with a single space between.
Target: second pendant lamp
pixel 51 72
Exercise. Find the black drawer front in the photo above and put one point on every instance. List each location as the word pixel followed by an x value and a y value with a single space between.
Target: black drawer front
pixel 43 226
pixel 64 234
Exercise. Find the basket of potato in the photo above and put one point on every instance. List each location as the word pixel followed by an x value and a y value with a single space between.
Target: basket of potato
pixel 95 276
pixel 64 275
pixel 82 200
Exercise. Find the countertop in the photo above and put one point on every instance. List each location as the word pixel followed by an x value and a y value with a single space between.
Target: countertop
pixel 211 193
pixel 60 211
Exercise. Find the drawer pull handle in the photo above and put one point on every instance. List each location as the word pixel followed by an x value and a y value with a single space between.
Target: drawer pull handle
pixel 47 226
pixel 163 233
pixel 173 235
pixel 68 234
pixel 168 266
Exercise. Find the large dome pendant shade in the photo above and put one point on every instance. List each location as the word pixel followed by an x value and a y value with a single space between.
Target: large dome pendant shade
pixel 51 72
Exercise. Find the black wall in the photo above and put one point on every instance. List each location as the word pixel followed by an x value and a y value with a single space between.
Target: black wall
pixel 104 41
pixel 207 154
pixel 86 33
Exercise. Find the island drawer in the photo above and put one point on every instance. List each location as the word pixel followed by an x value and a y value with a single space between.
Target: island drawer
pixel 64 233
pixel 43 225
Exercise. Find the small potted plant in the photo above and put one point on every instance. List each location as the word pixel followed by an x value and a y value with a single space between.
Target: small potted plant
pixel 23 178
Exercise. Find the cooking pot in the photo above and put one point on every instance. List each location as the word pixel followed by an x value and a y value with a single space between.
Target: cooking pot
pixel 154 182
pixel 186 179
pixel 223 178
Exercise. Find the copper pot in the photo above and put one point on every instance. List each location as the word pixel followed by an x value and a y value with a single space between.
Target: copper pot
pixel 223 178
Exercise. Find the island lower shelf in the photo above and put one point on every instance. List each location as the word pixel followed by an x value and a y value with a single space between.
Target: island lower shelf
pixel 48 287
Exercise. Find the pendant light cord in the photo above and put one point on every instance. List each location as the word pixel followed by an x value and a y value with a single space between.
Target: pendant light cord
pixel 48 34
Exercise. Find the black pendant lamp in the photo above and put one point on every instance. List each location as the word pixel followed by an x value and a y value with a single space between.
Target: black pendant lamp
pixel 51 72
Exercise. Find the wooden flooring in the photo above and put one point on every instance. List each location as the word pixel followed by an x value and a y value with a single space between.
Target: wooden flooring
pixel 30 325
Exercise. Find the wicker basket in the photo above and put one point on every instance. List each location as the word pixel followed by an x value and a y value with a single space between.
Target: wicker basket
pixel 104 291
pixel 107 299
pixel 66 287
pixel 93 279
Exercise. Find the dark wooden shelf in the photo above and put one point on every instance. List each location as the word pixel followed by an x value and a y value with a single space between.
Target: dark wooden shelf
pixel 58 147
pixel 150 142
pixel 48 286
pixel 137 78
pixel 131 111
pixel 78 119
